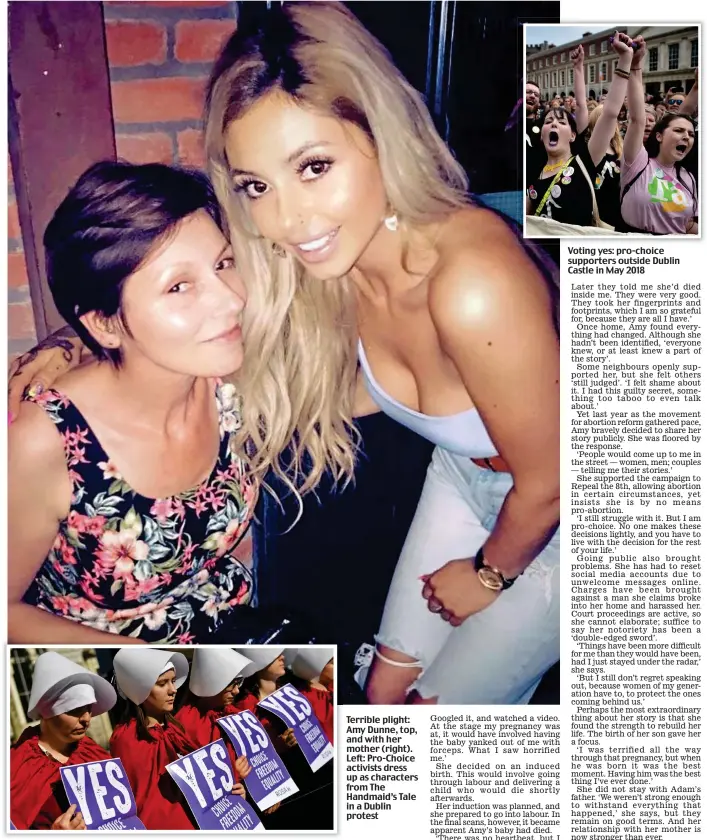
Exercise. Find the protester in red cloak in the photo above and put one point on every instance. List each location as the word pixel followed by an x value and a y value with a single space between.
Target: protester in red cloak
pixel 214 682
pixel 64 697
pixel 150 738
pixel 313 806
pixel 313 669
pixel 261 679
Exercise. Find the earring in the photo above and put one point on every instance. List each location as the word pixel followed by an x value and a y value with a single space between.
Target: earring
pixel 278 250
pixel 391 222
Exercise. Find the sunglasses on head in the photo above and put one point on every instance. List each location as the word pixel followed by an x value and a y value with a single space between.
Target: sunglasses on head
pixel 675 101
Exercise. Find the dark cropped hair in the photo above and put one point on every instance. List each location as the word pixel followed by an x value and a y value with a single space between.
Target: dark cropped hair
pixel 563 113
pixel 104 229
pixel 653 148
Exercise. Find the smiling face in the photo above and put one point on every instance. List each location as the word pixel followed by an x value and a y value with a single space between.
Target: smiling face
pixel 183 305
pixel 676 140
pixel 311 183
pixel 557 133
pixel 160 700
pixel 532 99
pixel 69 727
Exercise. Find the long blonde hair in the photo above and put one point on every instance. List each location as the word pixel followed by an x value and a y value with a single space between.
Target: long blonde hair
pixel 299 371
pixel 617 143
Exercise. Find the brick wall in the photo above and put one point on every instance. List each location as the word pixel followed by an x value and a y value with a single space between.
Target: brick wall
pixel 20 320
pixel 159 56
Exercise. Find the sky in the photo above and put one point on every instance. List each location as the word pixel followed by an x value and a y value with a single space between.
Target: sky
pixel 558 34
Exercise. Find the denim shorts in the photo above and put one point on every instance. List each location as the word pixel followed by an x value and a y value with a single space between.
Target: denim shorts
pixel 497 655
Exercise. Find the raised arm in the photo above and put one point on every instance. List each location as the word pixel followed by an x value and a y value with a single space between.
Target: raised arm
pixel 691 101
pixel 39 495
pixel 606 124
pixel 580 89
pixel 633 141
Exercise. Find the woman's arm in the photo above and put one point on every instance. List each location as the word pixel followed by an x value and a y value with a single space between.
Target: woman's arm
pixel 493 315
pixel 633 141
pixel 39 491
pixel 606 124
pixel 44 364
pixel 692 100
pixel 580 89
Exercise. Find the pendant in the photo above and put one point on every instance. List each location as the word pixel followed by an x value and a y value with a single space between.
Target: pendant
pixel 555 192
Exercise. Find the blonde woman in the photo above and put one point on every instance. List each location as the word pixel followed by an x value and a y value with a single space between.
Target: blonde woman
pixel 365 255
pixel 606 183
pixel 374 284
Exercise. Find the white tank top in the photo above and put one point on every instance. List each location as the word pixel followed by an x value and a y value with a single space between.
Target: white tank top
pixel 463 433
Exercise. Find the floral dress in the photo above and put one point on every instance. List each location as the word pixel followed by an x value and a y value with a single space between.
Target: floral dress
pixel 158 569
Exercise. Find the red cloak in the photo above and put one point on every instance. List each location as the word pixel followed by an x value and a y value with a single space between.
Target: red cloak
pixel 37 794
pixel 322 703
pixel 160 804
pixel 202 728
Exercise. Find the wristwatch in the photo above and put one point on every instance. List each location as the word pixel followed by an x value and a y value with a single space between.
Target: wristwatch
pixel 491 578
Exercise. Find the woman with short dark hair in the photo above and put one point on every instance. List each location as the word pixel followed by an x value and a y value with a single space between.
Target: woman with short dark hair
pixel 127 501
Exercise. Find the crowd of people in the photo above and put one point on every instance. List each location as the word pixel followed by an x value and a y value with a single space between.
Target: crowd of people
pixel 627 160
pixel 360 277
pixel 170 708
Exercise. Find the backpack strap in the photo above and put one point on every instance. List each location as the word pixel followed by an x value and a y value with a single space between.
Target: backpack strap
pixel 631 183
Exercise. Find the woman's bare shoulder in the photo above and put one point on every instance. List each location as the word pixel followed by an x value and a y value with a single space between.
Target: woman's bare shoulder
pixel 34 442
pixel 482 264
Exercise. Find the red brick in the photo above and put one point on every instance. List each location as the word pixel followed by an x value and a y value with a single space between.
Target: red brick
pixel 135 42
pixel 145 148
pixel 20 321
pixel 13 221
pixel 158 100
pixel 190 148
pixel 16 271
pixel 201 40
